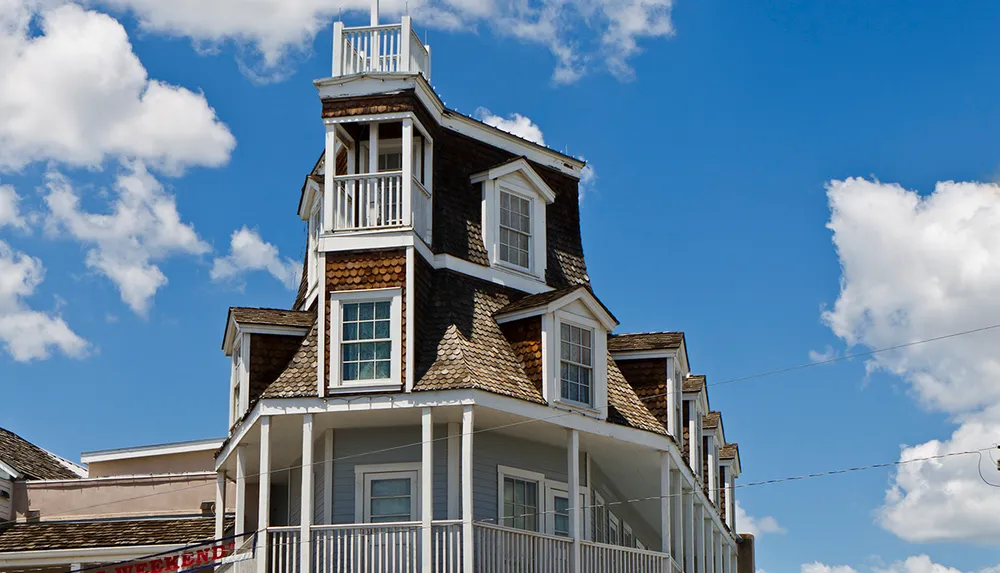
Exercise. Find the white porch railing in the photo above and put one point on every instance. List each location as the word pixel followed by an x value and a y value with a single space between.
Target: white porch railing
pixel 370 547
pixel 446 546
pixel 283 549
pixel 615 559
pixel 368 201
pixel 383 49
pixel 504 550
pixel 422 211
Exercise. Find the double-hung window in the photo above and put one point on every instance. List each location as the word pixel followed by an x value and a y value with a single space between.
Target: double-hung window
pixel 366 337
pixel 515 230
pixel 576 368
pixel 520 503
pixel 388 493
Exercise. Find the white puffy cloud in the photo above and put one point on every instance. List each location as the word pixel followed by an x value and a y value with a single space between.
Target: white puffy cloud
pixel 914 564
pixel 248 252
pixel 818 567
pixel 142 227
pixel 578 33
pixel 917 267
pixel 756 526
pixel 515 124
pixel 30 334
pixel 76 93
pixel 10 212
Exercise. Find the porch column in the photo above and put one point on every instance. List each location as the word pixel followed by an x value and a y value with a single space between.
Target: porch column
pixel 373 147
pixel 713 471
pixel 718 550
pixel 328 478
pixel 727 558
pixel 677 517
pixel 699 537
pixel 709 543
pixel 454 470
pixel 426 487
pixel 306 508
pixel 408 170
pixel 220 504
pixel 666 540
pixel 241 489
pixel 573 461
pixel 735 561
pixel 467 545
pixel 264 496
pixel 689 538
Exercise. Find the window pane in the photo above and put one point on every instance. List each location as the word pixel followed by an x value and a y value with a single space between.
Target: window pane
pixel 382 329
pixel 366 351
pixel 366 371
pixel 391 487
pixel 350 312
pixel 366 330
pixel 350 331
pixel 366 311
pixel 351 371
pixel 383 370
pixel 383 350
pixel 350 352
pixel 382 310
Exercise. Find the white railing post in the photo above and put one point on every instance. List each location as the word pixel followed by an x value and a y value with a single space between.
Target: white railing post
pixel 407 172
pixel 467 544
pixel 427 66
pixel 264 495
pixel 718 548
pixel 706 525
pixel 426 486
pixel 329 171
pixel 338 49
pixel 241 489
pixel 666 540
pixel 691 532
pixel 573 461
pixel 306 508
pixel 220 504
pixel 405 40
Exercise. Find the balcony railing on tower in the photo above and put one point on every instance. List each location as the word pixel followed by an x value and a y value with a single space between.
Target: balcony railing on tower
pixel 381 49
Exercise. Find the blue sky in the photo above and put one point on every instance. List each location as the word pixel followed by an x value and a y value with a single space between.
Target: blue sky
pixel 724 205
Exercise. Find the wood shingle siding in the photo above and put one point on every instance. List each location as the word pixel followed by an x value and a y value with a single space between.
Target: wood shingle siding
pixel 525 337
pixel 269 355
pixel 648 377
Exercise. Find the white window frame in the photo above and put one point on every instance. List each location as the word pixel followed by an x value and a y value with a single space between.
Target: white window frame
pixel 385 147
pixel 615 523
pixel 593 371
pixel 517 473
pixel 315 231
pixel 363 476
pixel 239 390
pixel 598 507
pixel 337 301
pixel 538 250
pixel 505 190
pixel 561 489
pixel 551 355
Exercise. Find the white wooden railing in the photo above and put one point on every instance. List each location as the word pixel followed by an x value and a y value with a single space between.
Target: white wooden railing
pixel 504 550
pixel 283 549
pixel 616 559
pixel 383 49
pixel 446 546
pixel 422 206
pixel 368 201
pixel 371 547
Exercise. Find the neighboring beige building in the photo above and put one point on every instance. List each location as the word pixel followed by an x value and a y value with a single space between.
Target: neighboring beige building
pixel 117 505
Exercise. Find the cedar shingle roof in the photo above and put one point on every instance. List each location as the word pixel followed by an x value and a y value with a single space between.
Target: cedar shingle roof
pixel 694 383
pixel 729 451
pixel 77 535
pixel 299 378
pixel 272 317
pixel 645 341
pixel 711 420
pixel 32 461
pixel 542 299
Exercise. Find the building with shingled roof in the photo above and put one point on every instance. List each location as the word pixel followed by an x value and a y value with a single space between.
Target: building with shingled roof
pixel 447 392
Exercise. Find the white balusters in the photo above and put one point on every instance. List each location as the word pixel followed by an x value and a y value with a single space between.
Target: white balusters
pixel 373 548
pixel 379 50
pixel 369 201
pixel 283 549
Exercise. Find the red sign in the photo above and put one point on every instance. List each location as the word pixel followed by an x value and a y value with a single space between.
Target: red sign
pixel 190 559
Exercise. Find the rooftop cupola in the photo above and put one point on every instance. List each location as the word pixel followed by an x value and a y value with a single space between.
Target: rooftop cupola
pixel 379 49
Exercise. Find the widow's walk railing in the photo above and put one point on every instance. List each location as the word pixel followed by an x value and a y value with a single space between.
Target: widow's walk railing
pixel 382 49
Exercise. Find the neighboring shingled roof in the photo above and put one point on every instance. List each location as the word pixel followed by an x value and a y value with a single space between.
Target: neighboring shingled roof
pixel 298 380
pixel 272 317
pixel 46 536
pixel 32 461
pixel 694 383
pixel 711 420
pixel 729 451
pixel 645 341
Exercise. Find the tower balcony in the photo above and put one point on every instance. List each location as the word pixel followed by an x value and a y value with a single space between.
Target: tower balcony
pixel 379 49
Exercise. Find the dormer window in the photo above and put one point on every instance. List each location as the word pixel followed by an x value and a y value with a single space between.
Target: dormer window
pixel 577 364
pixel 366 339
pixel 514 202
pixel 515 230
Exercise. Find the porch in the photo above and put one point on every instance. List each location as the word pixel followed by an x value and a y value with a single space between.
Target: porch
pixel 425 489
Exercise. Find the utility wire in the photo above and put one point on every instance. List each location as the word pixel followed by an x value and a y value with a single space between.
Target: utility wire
pixel 492 521
pixel 569 412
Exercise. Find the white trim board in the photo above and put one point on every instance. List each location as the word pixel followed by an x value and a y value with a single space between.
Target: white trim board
pixel 96 456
